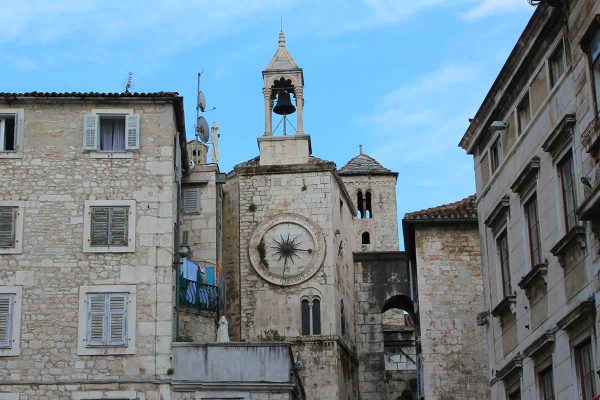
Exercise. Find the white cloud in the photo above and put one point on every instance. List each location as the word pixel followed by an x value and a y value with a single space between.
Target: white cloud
pixel 489 8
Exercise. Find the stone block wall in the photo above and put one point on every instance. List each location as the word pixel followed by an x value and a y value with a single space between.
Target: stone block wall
pixel 198 325
pixel 450 297
pixel 53 178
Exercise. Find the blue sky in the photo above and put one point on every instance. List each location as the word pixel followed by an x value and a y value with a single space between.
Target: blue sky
pixel 400 77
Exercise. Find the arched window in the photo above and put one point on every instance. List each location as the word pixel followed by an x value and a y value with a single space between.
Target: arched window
pixel 311 317
pixel 368 205
pixel 366 238
pixel 360 205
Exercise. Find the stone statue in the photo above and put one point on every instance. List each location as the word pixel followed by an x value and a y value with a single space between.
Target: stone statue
pixel 223 331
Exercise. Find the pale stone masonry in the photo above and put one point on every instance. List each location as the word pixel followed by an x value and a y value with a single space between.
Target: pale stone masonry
pixel 535 142
pixel 442 243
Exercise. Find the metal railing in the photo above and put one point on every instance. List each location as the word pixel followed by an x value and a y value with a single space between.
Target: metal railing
pixel 198 295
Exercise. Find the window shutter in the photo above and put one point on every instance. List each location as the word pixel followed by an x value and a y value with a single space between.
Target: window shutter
pixel 118 319
pixel 8 219
pixel 90 132
pixel 99 226
pixel 191 200
pixel 132 126
pixel 6 310
pixel 96 319
pixel 118 226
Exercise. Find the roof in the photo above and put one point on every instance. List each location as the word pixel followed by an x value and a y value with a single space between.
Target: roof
pixel 461 210
pixel 282 60
pixel 363 164
pixel 88 94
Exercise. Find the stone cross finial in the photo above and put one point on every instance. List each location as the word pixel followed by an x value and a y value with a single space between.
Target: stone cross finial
pixel 281 39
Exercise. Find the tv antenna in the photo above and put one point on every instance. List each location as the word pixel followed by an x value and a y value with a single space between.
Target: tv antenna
pixel 202 131
pixel 128 82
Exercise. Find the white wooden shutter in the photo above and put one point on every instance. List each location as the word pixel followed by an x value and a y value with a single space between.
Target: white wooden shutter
pixel 132 132
pixel 99 221
pixel 191 200
pixel 8 221
pixel 96 321
pixel 90 132
pixel 118 226
pixel 6 316
pixel 117 319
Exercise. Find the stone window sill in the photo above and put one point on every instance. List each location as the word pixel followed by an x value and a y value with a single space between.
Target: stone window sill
pixel 10 154
pixel 111 155
pixel 508 304
pixel 575 236
pixel 582 314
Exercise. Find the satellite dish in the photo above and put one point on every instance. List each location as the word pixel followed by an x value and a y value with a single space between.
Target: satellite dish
pixel 201 101
pixel 202 129
pixel 192 164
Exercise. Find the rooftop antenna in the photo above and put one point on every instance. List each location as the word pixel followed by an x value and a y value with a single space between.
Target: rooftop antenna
pixel 281 24
pixel 128 82
pixel 201 131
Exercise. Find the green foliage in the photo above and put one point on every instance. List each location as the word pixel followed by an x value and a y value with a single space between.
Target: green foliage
pixel 184 338
pixel 252 207
pixel 271 335
pixel 262 253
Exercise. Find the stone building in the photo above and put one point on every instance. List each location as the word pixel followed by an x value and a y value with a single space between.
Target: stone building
pixel 534 141
pixel 442 247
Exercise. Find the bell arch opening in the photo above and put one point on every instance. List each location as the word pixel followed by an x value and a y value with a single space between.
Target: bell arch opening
pixel 398 327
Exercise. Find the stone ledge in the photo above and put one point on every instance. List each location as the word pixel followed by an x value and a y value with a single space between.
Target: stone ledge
pixel 576 235
pixel 544 342
pixel 512 367
pixel 583 313
pixel 507 304
pixel 500 211
pixel 560 136
pixel 528 174
pixel 533 276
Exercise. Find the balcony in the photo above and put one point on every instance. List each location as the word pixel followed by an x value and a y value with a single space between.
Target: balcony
pixel 590 138
pixel 199 295
pixel 224 368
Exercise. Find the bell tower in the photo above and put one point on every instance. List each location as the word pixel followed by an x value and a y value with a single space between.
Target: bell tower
pixel 284 143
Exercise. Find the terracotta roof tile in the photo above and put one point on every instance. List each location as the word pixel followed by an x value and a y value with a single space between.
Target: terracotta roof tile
pixel 363 164
pixel 459 210
pixel 87 94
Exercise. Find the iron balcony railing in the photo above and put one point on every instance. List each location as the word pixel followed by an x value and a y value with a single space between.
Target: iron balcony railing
pixel 198 295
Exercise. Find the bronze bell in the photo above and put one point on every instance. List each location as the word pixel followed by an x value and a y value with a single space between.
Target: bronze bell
pixel 284 104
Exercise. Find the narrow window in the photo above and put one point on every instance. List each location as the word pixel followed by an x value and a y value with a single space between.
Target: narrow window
pixel 595 57
pixel 112 133
pixel 8 222
pixel 109 226
pixel 366 238
pixel 524 113
pixel 558 64
pixel 316 317
pixel 107 319
pixel 585 370
pixel 191 200
pixel 369 205
pixel 495 154
pixel 502 249
pixel 305 317
pixel 546 384
pixel 516 395
pixel 533 230
pixel 6 317
pixel 567 185
pixel 343 319
pixel 8 132
pixel 360 205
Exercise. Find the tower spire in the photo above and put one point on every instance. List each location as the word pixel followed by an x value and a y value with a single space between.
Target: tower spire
pixel 281 39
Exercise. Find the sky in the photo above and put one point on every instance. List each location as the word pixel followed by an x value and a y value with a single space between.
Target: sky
pixel 400 77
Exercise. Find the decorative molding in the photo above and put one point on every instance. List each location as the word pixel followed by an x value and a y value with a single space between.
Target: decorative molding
pixel 508 303
pixel 537 274
pixel 582 314
pixel 541 344
pixel 560 136
pixel 512 367
pixel 576 235
pixel 528 175
pixel 502 210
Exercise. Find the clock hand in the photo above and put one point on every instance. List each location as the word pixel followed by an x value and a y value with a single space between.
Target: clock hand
pixel 307 250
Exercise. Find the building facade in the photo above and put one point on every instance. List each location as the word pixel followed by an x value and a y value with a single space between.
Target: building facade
pixel 534 141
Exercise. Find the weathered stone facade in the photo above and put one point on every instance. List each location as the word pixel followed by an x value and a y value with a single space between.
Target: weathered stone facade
pixel 539 251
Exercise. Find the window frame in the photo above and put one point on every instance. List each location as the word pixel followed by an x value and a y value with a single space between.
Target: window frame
pixel 552 80
pixel 311 316
pixel 495 151
pixel 567 157
pixel 533 197
pixel 503 232
pixel 113 112
pixel 18 247
pixel 587 341
pixel 15 348
pixel 542 383
pixel 18 113
pixel 198 191
pixel 82 347
pixel 105 394
pixel 131 226
pixel 106 116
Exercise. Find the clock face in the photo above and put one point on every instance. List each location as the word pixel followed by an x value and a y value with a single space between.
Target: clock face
pixel 287 249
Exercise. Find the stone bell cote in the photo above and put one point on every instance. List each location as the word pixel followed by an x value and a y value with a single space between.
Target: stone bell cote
pixel 283 142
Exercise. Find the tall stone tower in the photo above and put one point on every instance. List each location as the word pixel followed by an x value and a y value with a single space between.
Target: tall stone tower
pixel 288 243
pixel 372 188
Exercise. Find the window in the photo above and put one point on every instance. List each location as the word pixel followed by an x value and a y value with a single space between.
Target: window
pixel 366 238
pixel 546 385
pixel 495 154
pixel 557 63
pixel 343 318
pixel 311 317
pixel 502 249
pixel 515 395
pixel 10 320
pixel 567 186
pixel 191 200
pixel 524 113
pixel 595 58
pixel 585 370
pixel 111 131
pixel 533 230
pixel 369 204
pixel 109 226
pixel 360 205
pixel 106 320
pixel 11 227
pixel 8 132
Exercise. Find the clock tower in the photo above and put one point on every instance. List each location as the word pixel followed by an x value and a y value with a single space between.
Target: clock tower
pixel 288 243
